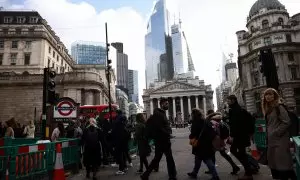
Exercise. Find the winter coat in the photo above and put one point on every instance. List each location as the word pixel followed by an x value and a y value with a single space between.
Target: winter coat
pixel 91 139
pixel 160 126
pixel 238 127
pixel 204 149
pixel 120 135
pixel 141 140
pixel 278 140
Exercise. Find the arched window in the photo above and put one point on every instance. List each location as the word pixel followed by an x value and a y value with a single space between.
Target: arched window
pixel 265 24
pixel 280 20
pixel 252 29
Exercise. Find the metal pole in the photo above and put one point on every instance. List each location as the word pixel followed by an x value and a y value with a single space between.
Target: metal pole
pixel 108 75
pixel 44 110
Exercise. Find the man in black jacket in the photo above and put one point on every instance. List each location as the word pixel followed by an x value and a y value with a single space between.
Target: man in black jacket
pixel 240 132
pixel 159 126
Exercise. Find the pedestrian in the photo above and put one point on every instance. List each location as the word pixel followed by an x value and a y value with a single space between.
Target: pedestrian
pixel 9 132
pixel 144 148
pixel 58 132
pixel 158 128
pixel 91 140
pixel 278 139
pixel 120 138
pixel 241 130
pixel 216 119
pixel 29 130
pixel 201 137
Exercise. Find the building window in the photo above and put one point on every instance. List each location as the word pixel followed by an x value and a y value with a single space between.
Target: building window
pixel 291 57
pixel 250 47
pixel 1 44
pixel 53 54
pixel 31 30
pixel 288 38
pixel 49 61
pixel 267 41
pixel 49 50
pixel 14 44
pixel 57 57
pixel 252 29
pixel 56 69
pixel 53 65
pixel 280 20
pixel 20 19
pixel 33 20
pixel 28 44
pixel 255 79
pixel 27 59
pixel 13 59
pixel 18 30
pixel 7 19
pixel 265 24
pixel 294 73
pixel 1 59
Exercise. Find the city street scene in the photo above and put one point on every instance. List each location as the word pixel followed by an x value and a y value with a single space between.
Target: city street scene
pixel 149 89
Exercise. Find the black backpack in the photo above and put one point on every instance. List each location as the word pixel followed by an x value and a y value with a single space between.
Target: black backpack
pixel 224 130
pixel 294 127
pixel 92 139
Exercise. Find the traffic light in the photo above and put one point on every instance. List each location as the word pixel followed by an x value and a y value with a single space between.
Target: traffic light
pixel 51 95
pixel 268 68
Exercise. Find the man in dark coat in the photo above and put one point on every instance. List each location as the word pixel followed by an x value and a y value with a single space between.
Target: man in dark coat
pixel 91 139
pixel 160 130
pixel 120 138
pixel 240 132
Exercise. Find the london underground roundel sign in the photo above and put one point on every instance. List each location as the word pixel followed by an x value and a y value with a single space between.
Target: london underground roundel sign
pixel 65 109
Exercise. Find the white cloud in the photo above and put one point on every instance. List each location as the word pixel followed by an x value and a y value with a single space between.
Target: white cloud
pixel 210 27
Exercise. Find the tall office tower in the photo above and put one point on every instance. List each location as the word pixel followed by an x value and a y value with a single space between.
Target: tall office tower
pixel 158 46
pixel 133 86
pixel 122 66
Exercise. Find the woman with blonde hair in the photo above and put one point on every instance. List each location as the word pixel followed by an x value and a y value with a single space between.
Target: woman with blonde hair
pixel 278 140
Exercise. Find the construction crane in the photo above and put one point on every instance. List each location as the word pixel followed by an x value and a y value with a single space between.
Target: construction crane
pixel 189 56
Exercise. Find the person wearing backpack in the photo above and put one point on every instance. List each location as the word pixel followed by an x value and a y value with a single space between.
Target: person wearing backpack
pixel 279 157
pixel 222 129
pixel 241 130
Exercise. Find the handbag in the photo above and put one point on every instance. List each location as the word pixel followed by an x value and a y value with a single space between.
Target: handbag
pixel 194 141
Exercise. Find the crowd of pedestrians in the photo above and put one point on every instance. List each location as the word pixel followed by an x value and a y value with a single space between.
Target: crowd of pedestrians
pixel 106 143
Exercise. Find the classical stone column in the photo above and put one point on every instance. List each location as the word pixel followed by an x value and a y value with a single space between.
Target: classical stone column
pixel 189 105
pixel 174 108
pixel 181 104
pixel 197 103
pixel 151 106
pixel 204 106
pixel 158 103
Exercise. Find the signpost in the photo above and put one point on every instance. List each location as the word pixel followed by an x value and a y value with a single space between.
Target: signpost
pixel 65 109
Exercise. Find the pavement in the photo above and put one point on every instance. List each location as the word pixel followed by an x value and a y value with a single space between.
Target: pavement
pixel 184 163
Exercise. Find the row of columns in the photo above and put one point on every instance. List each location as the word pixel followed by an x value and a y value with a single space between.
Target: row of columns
pixel 181 105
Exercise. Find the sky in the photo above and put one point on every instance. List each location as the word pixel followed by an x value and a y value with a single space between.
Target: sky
pixel 209 25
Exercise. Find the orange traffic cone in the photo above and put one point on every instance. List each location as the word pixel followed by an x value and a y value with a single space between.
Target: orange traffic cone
pixel 254 151
pixel 59 173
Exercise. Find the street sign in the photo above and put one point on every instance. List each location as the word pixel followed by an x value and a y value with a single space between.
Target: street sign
pixel 65 109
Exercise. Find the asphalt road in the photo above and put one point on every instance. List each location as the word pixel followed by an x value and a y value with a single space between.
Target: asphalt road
pixel 184 162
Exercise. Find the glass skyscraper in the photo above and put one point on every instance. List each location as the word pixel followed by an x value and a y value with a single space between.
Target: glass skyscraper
pixel 84 52
pixel 133 86
pixel 158 46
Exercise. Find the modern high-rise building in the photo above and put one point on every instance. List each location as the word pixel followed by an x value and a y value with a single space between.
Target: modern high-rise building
pixel 179 54
pixel 158 45
pixel 133 86
pixel 122 66
pixel 84 52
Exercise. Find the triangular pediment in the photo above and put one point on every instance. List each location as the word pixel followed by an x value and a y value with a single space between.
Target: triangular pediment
pixel 176 87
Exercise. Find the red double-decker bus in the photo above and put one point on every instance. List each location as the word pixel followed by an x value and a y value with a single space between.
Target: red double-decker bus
pixel 87 111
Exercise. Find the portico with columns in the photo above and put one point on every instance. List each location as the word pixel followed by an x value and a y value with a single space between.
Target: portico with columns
pixel 182 98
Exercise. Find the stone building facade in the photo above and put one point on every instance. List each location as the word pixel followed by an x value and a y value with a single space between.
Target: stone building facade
pixel 122 101
pixel 27 46
pixel 183 96
pixel 21 94
pixel 270 26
